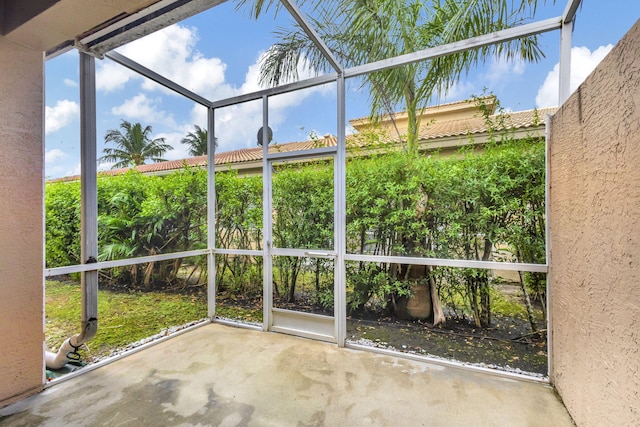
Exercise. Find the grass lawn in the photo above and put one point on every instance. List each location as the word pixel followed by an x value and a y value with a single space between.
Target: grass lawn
pixel 123 318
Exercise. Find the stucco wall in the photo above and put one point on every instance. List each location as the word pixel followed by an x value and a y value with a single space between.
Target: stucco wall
pixel 595 242
pixel 21 177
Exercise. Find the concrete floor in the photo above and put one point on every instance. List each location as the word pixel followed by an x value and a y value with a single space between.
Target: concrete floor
pixel 219 375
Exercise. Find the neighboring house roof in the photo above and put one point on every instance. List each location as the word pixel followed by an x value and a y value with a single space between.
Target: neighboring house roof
pixel 434 134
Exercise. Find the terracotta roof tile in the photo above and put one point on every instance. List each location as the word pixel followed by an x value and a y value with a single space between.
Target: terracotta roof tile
pixel 451 128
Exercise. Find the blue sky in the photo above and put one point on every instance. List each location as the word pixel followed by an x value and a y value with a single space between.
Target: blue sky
pixel 216 53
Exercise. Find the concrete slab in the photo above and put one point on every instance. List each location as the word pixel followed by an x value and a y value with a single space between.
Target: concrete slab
pixel 219 375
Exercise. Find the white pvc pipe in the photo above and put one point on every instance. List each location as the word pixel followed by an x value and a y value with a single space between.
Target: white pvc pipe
pixel 58 360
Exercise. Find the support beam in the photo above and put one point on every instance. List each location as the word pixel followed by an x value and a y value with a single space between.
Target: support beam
pixel 102 39
pixel 457 47
pixel 313 35
pixel 267 296
pixel 278 90
pixel 152 75
pixel 89 197
pixel 211 213
pixel 340 221
pixel 570 11
pixel 564 86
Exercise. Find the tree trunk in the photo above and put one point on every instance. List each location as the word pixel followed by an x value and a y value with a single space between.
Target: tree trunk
pixel 527 302
pixel 294 279
pixel 473 289
pixel 438 313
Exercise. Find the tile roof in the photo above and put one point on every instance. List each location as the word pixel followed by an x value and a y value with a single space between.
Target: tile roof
pixel 476 125
pixel 431 131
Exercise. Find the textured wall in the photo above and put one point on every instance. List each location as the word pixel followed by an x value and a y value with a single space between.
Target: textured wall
pixel 21 178
pixel 595 242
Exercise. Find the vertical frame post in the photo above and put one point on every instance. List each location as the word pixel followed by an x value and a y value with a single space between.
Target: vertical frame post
pixel 211 214
pixel 89 195
pixel 267 219
pixel 340 219
pixel 565 62
pixel 547 181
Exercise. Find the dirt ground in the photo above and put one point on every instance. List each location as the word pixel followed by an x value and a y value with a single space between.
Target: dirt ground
pixel 507 345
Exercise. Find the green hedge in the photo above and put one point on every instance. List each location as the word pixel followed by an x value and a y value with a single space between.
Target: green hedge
pixel 475 204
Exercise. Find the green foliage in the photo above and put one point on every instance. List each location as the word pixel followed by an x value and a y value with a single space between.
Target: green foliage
pixel 62 234
pixel 302 218
pixel 141 216
pixel 238 226
pixel 475 204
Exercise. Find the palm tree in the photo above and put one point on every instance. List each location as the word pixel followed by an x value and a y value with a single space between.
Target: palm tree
pixel 197 141
pixel 134 146
pixel 363 31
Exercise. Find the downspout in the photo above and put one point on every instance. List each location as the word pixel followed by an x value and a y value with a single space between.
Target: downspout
pixel 89 226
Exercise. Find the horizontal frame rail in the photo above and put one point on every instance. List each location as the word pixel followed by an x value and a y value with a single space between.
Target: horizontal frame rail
pixel 248 252
pixel 57 271
pixel 456 47
pixel 309 253
pixel 303 154
pixel 442 262
pixel 278 90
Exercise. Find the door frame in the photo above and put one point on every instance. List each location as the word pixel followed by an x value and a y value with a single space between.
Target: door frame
pixel 308 325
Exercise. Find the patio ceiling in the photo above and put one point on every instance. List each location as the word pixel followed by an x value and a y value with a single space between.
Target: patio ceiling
pixel 93 24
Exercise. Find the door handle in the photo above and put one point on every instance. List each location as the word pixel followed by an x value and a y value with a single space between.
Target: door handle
pixel 320 254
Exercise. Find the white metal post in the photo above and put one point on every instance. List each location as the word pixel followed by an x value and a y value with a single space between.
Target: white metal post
pixel 312 34
pixel 89 196
pixel 267 296
pixel 340 221
pixel 211 214
pixel 565 62
pixel 547 244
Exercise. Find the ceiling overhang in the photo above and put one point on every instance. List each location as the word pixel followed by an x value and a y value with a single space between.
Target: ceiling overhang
pixel 94 26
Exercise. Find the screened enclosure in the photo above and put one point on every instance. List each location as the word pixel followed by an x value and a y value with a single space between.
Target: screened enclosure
pixel 386 234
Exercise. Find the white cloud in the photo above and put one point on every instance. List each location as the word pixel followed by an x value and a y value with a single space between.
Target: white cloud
pixel 102 166
pixel 144 109
pixel 583 62
pixel 171 53
pixel 70 83
pixel 53 155
pixel 502 68
pixel 180 151
pixel 111 76
pixel 55 164
pixel 60 115
pixel 459 90
pixel 237 126
pixel 76 170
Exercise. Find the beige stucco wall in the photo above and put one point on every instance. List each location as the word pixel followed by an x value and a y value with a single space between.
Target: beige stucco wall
pixel 21 178
pixel 595 242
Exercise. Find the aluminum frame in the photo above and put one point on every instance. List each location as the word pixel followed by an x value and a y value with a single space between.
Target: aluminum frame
pixel 88 191
pixel 211 213
pixel 311 32
pixel 309 325
pixel 103 265
pixel 152 75
pixel 267 261
pixel 89 156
